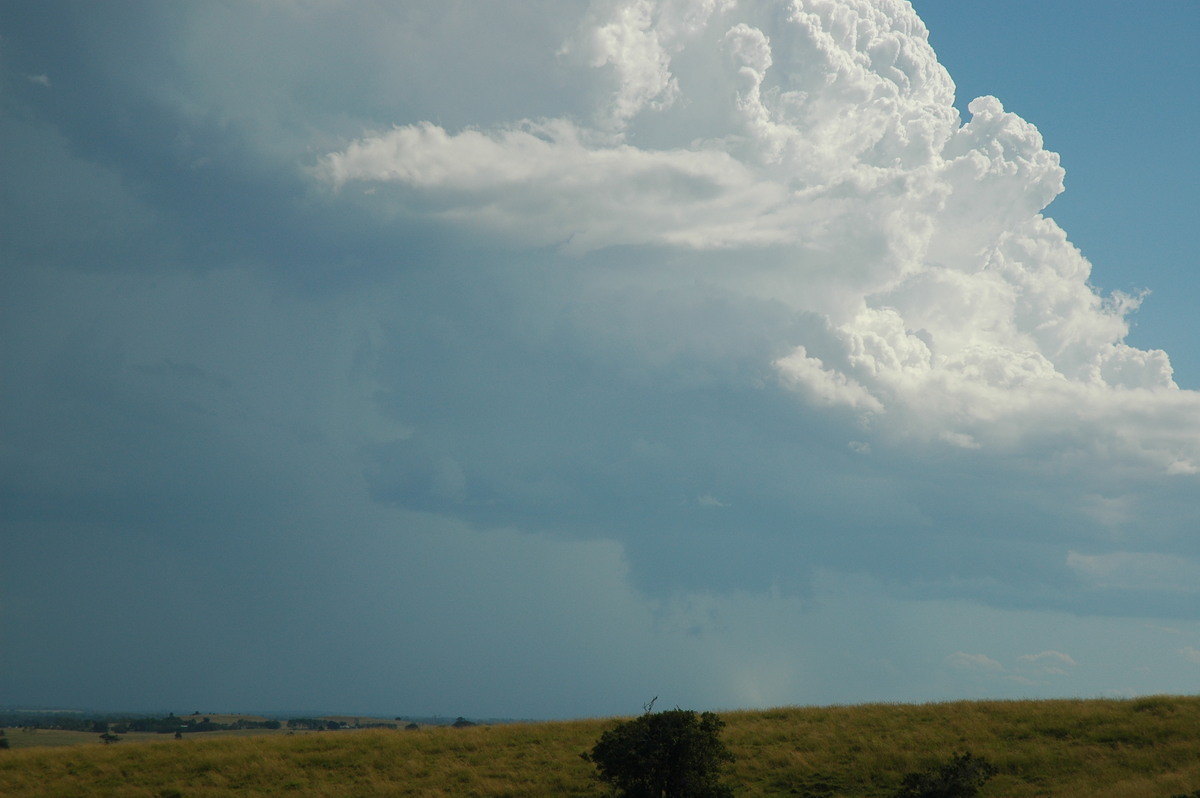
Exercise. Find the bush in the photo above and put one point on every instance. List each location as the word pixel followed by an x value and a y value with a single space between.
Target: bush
pixel 961 777
pixel 674 754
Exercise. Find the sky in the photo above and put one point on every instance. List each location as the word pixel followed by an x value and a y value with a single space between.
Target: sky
pixel 537 359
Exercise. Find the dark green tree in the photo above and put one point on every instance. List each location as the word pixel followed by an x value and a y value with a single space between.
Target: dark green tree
pixel 961 777
pixel 673 754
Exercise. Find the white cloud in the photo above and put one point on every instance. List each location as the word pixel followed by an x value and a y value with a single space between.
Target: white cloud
pixel 1047 663
pixel 1111 511
pixel 1126 570
pixel 637 39
pixel 550 183
pixel 974 662
pixel 1030 670
pixel 629 42
pixel 825 386
pixel 1191 654
pixel 1052 657
pixel 963 315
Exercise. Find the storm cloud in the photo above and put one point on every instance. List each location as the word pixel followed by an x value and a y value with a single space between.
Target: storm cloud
pixel 535 361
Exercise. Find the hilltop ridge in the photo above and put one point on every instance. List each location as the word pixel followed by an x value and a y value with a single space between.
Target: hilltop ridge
pixel 1094 748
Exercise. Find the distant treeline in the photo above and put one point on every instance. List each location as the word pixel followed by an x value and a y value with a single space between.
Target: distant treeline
pixel 189 724
pixel 314 723
pixel 121 724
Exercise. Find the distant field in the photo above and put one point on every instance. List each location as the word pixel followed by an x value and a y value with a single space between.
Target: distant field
pixel 1143 748
pixel 21 737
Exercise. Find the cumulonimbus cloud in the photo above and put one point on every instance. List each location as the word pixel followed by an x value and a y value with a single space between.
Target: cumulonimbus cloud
pixel 962 315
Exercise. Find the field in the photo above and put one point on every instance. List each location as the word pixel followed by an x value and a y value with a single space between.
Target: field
pixel 1141 748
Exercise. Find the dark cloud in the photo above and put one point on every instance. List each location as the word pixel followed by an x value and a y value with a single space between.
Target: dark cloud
pixel 654 394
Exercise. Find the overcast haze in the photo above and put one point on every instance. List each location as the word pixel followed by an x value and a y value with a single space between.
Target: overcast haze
pixel 536 359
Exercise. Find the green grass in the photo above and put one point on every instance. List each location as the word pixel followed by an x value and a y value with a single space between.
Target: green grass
pixel 1143 748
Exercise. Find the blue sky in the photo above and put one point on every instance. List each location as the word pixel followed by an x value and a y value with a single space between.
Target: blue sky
pixel 444 358
pixel 1109 92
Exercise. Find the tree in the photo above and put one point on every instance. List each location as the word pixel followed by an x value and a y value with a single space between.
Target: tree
pixel 961 777
pixel 673 754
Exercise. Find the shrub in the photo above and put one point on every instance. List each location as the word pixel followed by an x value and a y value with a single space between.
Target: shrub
pixel 961 777
pixel 674 754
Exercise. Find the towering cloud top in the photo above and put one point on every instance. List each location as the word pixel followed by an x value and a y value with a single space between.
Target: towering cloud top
pixel 821 140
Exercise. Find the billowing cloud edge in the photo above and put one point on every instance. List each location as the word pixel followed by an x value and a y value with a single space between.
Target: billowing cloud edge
pixel 964 317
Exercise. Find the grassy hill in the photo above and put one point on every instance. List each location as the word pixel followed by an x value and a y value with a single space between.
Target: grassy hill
pixel 1142 748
